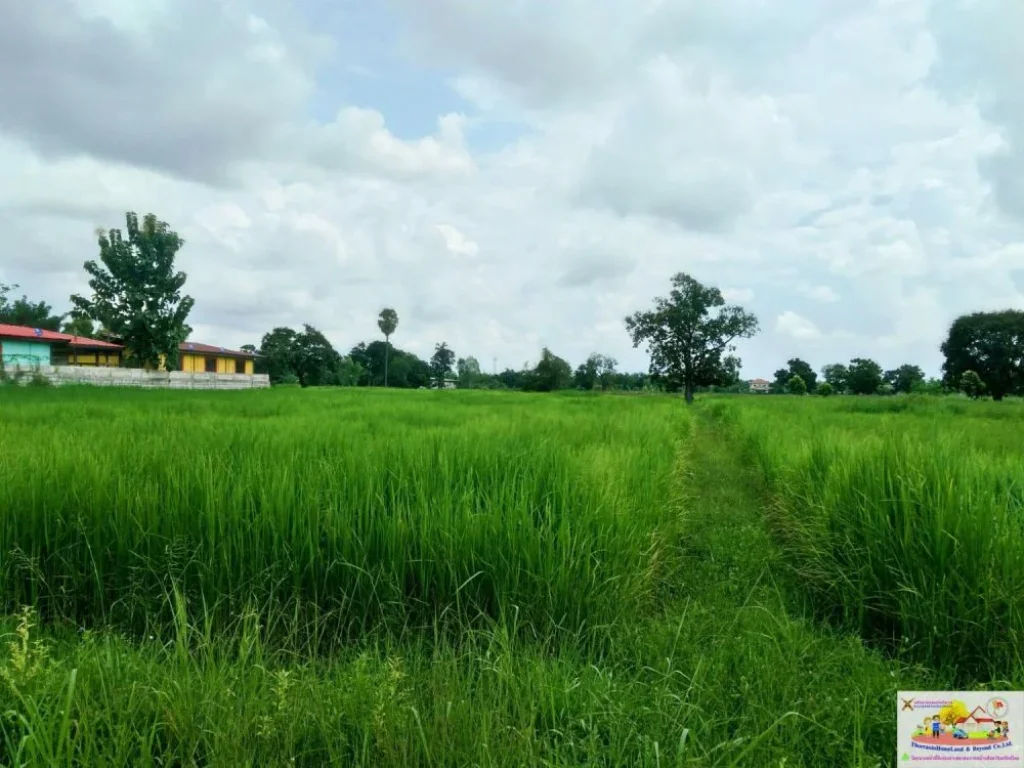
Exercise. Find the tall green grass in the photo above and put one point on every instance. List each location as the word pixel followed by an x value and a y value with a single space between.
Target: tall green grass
pixel 351 510
pixel 901 518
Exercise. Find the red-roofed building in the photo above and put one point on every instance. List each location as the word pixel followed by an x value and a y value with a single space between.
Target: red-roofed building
pixel 23 346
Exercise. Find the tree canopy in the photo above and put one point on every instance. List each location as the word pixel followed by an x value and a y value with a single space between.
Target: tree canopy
pixel 795 367
pixel 441 364
pixel 387 321
pixel 836 375
pixel 136 293
pixel 905 378
pixel 864 376
pixel 34 314
pixel 992 345
pixel 552 373
pixel 689 334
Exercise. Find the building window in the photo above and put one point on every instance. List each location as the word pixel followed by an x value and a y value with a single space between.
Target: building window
pixel 211 365
pixel 239 366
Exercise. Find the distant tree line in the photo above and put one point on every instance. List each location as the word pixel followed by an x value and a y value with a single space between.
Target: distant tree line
pixel 137 298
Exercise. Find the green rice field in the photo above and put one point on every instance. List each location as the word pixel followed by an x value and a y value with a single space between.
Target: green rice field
pixel 371 577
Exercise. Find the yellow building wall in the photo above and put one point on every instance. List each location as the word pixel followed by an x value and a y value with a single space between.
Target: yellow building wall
pixel 192 363
pixel 100 359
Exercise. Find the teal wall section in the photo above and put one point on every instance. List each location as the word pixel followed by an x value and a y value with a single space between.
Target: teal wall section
pixel 25 353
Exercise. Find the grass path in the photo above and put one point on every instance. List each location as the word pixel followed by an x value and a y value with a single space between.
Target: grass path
pixel 832 697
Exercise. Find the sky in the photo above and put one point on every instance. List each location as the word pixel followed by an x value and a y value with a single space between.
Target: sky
pixel 509 176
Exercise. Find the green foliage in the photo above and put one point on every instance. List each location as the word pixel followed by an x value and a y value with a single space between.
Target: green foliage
pixel 349 372
pixel 307 356
pixel 407 371
pixel 837 375
pixel 468 370
pixel 441 364
pixel 863 376
pixel 972 385
pixel 597 371
pixel 79 325
pixel 796 386
pixel 24 312
pixel 689 334
pixel 799 368
pixel 551 374
pixel 825 389
pixel 992 345
pixel 905 378
pixel 136 294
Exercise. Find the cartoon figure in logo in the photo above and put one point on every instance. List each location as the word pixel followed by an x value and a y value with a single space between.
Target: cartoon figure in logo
pixel 936 727
pixel 959 733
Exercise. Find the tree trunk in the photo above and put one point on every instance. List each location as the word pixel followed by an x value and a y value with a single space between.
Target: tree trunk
pixel 387 350
pixel 997 396
pixel 688 390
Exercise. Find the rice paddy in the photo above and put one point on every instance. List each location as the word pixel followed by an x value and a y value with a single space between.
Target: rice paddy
pixel 372 577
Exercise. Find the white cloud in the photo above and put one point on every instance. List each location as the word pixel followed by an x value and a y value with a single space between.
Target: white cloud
pixel 867 153
pixel 738 294
pixel 789 323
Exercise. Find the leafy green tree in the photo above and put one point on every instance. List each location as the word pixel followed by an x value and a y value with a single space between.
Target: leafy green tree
pixel 886 389
pixel 552 373
pixel 78 324
pixel 930 387
pixel 796 386
pixel 24 312
pixel 278 355
pixel 406 370
pixel 316 361
pixel 825 389
pixel 441 364
pixel 136 293
pixel 972 385
pixel 598 370
pixel 991 344
pixel 349 372
pixel 387 321
pixel 837 375
pixel 468 371
pixel 864 376
pixel 511 379
pixel 688 333
pixel 904 378
pixel 795 367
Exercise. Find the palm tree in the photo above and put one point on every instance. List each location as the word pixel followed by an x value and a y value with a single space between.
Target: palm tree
pixel 387 321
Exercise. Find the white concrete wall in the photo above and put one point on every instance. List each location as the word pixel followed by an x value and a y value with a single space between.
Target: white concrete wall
pixel 132 377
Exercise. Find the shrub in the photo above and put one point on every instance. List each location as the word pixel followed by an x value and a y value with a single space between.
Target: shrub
pixel 825 389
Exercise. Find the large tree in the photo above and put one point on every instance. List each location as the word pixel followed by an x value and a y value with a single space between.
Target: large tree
pixel 316 361
pixel 468 370
pixel 863 376
pixel 406 369
pixel 552 373
pixel 441 364
pixel 837 375
pixel 795 367
pixel 690 333
pixel 277 355
pixel 905 378
pixel 136 294
pixel 387 321
pixel 992 345
pixel 78 324
pixel 34 314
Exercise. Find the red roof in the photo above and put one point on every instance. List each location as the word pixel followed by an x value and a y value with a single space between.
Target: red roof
pixel 759 381
pixel 195 346
pixel 53 337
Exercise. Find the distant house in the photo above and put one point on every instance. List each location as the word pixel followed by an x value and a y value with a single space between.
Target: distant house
pixel 760 386
pixel 27 347
pixel 449 383
pixel 204 358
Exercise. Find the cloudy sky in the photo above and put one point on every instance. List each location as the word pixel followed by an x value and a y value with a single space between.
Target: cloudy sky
pixel 526 173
